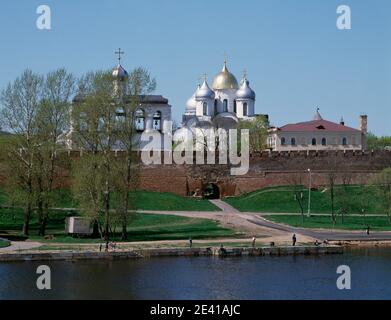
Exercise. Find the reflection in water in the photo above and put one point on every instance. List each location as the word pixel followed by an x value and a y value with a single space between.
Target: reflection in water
pixel 301 277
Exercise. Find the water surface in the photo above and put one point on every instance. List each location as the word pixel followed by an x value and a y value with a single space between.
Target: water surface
pixel 289 277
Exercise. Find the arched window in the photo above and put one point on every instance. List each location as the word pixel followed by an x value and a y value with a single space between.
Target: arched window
pixel 204 108
pixel 344 141
pixel 293 141
pixel 140 120
pixel 324 141
pixel 314 141
pixel 157 117
pixel 283 141
pixel 225 105
pixel 83 125
pixel 120 117
pixel 235 108
pixel 215 106
pixel 245 109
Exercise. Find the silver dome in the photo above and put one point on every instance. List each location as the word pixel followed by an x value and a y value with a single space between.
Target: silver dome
pixel 191 103
pixel 204 92
pixel 120 73
pixel 245 92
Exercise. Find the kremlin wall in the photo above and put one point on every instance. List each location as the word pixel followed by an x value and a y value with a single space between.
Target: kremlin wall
pixel 266 169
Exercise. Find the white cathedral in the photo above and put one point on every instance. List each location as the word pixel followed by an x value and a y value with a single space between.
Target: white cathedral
pixel 221 106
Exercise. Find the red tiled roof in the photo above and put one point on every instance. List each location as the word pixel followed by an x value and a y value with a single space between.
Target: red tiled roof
pixel 317 126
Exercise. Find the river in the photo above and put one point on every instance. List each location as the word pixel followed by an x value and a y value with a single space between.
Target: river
pixel 288 277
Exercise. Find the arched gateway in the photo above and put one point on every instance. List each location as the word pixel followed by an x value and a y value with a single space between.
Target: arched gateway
pixel 211 191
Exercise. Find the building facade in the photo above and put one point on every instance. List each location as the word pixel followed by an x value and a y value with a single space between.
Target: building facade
pixel 222 105
pixel 318 134
pixel 152 117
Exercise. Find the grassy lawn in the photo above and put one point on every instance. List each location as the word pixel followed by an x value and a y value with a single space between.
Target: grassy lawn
pixel 4 243
pixel 281 200
pixel 143 227
pixel 350 223
pixel 145 200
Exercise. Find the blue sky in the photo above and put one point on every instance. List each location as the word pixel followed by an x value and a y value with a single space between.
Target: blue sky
pixel 295 56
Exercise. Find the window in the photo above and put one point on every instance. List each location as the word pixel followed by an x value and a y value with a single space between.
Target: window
pixel 225 105
pixel 235 108
pixel 324 141
pixel 344 141
pixel 283 141
pixel 293 141
pixel 83 125
pixel 215 106
pixel 140 120
pixel 245 111
pixel 204 108
pixel 157 117
pixel 314 141
pixel 120 118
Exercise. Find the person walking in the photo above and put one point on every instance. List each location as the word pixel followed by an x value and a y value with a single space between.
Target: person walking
pixel 254 239
pixel 368 230
pixel 294 239
pixel 190 242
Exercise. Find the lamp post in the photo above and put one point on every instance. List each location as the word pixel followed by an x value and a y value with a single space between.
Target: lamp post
pixel 309 192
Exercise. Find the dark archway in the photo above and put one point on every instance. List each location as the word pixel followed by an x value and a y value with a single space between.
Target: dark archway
pixel 211 191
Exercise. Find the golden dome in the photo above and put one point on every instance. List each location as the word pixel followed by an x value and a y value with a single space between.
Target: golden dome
pixel 225 80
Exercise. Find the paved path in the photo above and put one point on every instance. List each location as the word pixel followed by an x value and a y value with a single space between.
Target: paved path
pixel 231 216
pixel 323 234
pixel 225 207
pixel 21 245
pixel 251 223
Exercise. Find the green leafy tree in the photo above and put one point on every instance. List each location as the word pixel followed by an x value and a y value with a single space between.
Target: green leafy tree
pixel 20 104
pixel 257 132
pixel 138 84
pixel 378 143
pixel 52 122
pixel 95 115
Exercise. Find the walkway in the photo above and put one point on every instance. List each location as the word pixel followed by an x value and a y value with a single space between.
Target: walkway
pixel 225 207
pixel 21 245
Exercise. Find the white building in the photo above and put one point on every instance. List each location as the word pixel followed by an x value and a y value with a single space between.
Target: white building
pixel 152 117
pixel 221 106
pixel 318 134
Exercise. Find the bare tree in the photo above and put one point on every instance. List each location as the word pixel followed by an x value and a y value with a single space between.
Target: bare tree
pixel 344 200
pixel 295 179
pixel 382 183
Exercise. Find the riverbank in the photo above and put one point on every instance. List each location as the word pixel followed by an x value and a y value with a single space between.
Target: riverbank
pixel 170 252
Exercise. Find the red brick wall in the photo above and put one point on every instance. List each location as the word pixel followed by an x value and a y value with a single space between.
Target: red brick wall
pixel 266 169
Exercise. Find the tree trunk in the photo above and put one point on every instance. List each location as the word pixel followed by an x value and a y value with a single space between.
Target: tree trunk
pixel 42 227
pixel 124 235
pixel 26 222
pixel 107 211
pixel 95 229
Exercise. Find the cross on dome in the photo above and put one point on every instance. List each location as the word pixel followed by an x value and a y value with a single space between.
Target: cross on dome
pixel 119 52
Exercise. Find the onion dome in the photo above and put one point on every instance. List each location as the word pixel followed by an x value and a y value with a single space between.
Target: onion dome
pixel 225 80
pixel 119 73
pixel 192 102
pixel 204 92
pixel 245 92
